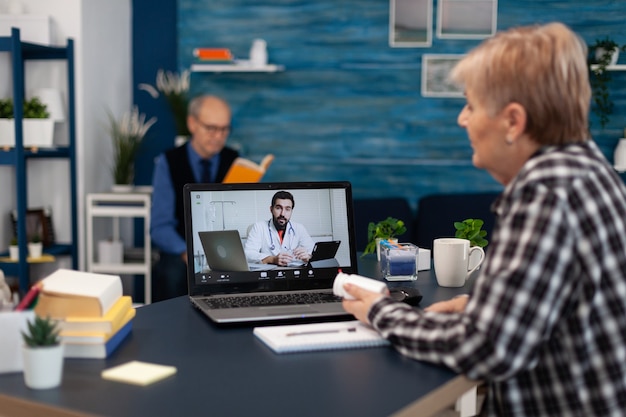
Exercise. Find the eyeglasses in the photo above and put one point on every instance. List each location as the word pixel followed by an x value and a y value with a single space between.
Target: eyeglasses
pixel 213 129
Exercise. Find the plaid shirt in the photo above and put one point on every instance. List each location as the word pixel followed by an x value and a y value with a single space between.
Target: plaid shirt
pixel 545 325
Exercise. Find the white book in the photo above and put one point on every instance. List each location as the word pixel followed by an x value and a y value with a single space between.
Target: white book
pixel 319 336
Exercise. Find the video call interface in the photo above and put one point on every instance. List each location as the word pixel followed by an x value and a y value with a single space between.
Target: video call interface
pixel 323 214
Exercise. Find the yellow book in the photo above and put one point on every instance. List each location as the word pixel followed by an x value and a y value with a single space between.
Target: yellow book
pixel 106 324
pixel 96 337
pixel 245 170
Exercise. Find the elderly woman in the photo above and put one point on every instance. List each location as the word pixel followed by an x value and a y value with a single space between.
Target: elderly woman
pixel 545 324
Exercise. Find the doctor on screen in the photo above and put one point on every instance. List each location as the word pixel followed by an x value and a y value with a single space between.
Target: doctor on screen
pixel 278 240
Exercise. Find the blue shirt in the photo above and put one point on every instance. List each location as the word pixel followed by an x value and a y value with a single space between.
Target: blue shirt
pixel 163 212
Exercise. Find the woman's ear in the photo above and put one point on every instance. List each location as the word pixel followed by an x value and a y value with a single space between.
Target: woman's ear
pixel 515 117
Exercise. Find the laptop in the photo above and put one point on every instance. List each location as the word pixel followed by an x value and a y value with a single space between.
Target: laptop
pixel 224 252
pixel 224 286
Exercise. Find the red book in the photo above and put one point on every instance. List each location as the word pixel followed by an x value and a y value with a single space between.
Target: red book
pixel 29 298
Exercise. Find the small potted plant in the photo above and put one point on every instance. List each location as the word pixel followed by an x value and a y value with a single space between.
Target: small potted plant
pixel 387 229
pixel 471 229
pixel 14 250
pixel 38 127
pixel 602 54
pixel 35 246
pixel 127 134
pixel 43 354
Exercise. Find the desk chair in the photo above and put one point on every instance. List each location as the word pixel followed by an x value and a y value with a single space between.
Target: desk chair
pixel 437 213
pixel 377 209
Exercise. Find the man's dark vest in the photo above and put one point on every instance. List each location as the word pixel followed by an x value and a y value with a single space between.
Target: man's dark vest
pixel 181 173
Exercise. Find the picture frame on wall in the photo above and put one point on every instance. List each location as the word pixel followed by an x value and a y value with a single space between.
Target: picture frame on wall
pixel 38 223
pixel 466 19
pixel 410 23
pixel 435 75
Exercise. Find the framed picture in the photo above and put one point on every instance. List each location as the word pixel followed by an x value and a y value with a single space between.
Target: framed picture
pixel 38 223
pixel 466 19
pixel 435 76
pixel 410 23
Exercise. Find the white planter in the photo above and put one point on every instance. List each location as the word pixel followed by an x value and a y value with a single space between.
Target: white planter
pixel 35 250
pixel 110 252
pixel 620 155
pixel 37 132
pixel 614 55
pixel 14 252
pixel 43 366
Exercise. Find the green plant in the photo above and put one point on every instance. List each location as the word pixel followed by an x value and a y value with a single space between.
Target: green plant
pixel 471 229
pixel 13 241
pixel 127 134
pixel 33 109
pixel 600 53
pixel 41 332
pixel 174 87
pixel 384 229
pixel 35 238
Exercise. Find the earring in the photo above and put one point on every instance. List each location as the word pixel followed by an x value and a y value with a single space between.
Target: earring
pixel 509 140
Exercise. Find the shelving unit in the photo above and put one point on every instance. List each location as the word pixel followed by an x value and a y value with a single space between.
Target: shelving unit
pixel 116 206
pixel 19 156
pixel 618 67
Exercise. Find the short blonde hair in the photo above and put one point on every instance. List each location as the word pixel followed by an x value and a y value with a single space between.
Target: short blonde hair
pixel 543 68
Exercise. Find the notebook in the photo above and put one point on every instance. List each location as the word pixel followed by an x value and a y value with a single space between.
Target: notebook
pixel 319 336
pixel 222 291
pixel 224 252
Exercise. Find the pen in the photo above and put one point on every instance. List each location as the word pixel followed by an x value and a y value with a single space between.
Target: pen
pixel 350 329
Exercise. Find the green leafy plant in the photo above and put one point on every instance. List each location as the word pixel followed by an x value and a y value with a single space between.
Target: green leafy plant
pixel 35 238
pixel 384 229
pixel 13 241
pixel 41 332
pixel 127 134
pixel 33 109
pixel 600 53
pixel 471 229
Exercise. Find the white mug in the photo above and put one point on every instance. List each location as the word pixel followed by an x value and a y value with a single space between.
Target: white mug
pixel 451 256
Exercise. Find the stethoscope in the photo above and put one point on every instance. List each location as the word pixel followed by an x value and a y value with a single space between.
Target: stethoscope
pixel 269 231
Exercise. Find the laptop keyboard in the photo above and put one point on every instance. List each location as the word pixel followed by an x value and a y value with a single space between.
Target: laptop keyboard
pixel 271 300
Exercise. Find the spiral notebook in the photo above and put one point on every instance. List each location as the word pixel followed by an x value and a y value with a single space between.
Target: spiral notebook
pixel 319 336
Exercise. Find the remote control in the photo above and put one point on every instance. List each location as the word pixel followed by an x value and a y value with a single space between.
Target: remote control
pixel 365 283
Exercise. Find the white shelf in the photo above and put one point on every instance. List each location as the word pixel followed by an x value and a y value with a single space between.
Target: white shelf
pixel 619 67
pixel 238 66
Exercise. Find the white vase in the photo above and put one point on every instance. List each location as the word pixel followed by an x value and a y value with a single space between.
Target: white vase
pixel 35 250
pixel 258 53
pixel 43 366
pixel 121 188
pixel 619 156
pixel 614 55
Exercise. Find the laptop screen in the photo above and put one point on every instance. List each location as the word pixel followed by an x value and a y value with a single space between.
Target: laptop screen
pixel 268 236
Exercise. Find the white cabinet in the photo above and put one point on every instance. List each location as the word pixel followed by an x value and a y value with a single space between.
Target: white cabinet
pixel 117 206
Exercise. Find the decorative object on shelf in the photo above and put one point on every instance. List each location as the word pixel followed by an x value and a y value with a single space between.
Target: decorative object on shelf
pixel 127 134
pixel 38 222
pixel 35 247
pixel 602 53
pixel 110 252
pixel 619 156
pixel 43 354
pixel 388 229
pixel 14 250
pixel 38 127
pixel 175 88
pixel 258 53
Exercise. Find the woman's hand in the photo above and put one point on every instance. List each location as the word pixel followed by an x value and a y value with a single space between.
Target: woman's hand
pixel 360 306
pixel 454 305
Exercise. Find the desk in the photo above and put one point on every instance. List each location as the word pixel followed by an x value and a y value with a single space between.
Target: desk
pixel 228 372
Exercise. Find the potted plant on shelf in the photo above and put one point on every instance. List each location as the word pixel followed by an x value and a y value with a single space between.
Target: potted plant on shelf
pixel 388 229
pixel 42 354
pixel 14 249
pixel 175 88
pixel 35 246
pixel 127 134
pixel 38 128
pixel 602 54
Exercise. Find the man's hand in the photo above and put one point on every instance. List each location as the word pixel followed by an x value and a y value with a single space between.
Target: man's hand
pixel 282 259
pixel 302 254
pixel 360 306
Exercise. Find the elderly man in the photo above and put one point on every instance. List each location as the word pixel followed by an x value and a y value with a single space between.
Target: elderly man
pixel 205 158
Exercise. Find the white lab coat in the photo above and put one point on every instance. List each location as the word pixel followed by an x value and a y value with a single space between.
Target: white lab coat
pixel 263 240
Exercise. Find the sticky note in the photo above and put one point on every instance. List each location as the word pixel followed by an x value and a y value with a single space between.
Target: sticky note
pixel 138 373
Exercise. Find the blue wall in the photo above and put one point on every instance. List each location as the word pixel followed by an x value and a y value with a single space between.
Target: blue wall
pixel 348 106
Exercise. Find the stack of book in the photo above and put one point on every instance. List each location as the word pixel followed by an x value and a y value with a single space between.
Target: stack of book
pixel 92 313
